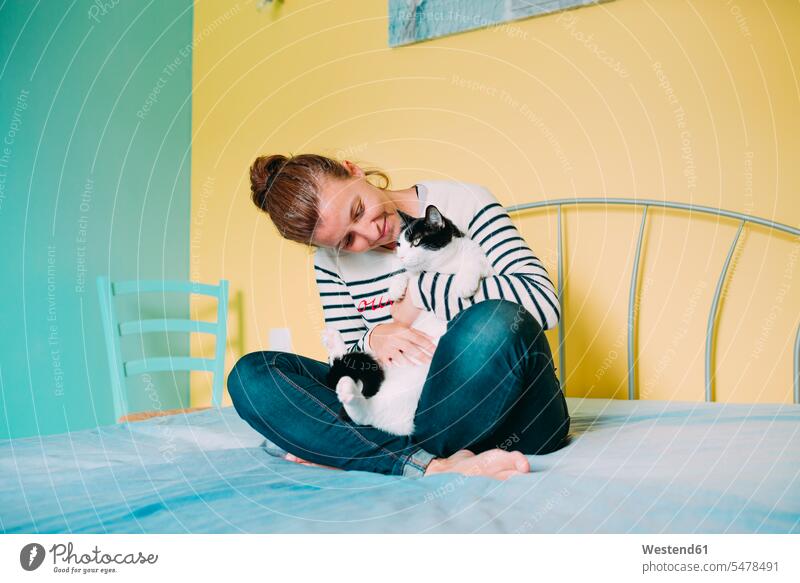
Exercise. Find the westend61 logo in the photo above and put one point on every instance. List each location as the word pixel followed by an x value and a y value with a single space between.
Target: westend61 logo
pixel 32 556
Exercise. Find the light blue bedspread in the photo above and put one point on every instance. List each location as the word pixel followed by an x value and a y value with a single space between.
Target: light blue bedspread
pixel 641 466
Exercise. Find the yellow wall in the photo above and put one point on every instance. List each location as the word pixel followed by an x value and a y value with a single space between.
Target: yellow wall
pixel 686 101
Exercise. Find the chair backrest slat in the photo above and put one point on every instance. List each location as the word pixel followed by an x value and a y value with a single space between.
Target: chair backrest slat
pixel 150 286
pixel 167 363
pixel 167 325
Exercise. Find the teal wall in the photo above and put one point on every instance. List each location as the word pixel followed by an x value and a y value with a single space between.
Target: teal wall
pixel 95 136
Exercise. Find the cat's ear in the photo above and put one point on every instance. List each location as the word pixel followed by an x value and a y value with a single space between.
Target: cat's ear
pixel 405 218
pixel 433 217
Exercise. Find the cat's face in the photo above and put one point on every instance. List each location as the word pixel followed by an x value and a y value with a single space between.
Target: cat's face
pixel 420 238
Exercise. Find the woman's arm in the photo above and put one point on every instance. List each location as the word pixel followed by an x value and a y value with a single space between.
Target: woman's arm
pixel 396 339
pixel 338 308
pixel 521 278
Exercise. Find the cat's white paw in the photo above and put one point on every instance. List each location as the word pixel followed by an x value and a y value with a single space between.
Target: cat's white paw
pixel 397 286
pixel 347 390
pixel 466 283
pixel 333 342
pixel 356 411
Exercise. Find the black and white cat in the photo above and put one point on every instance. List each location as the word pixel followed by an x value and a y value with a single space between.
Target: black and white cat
pixel 387 397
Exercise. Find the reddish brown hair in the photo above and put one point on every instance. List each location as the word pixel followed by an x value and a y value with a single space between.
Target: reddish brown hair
pixel 286 188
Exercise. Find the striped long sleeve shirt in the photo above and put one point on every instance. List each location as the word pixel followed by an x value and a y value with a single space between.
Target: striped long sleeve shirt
pixel 353 287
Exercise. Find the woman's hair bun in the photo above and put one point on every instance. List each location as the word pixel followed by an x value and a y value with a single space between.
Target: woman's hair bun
pixel 262 175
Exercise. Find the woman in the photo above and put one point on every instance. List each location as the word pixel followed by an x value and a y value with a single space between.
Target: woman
pixel 491 395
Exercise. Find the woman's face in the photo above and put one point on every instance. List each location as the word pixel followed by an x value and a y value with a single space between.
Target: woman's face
pixel 355 216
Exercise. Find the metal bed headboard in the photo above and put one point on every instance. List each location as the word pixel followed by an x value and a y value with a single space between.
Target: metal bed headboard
pixel 712 316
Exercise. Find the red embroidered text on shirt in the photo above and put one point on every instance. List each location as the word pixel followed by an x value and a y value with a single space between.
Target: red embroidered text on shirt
pixel 364 304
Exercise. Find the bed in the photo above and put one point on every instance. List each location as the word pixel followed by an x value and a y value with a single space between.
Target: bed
pixel 631 466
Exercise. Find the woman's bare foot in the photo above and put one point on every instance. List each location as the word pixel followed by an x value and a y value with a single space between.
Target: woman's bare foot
pixel 293 458
pixel 494 463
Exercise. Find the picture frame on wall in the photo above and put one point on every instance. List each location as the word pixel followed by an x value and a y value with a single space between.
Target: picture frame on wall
pixel 412 21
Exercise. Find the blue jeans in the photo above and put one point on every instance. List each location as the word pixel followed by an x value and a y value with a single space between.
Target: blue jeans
pixel 491 384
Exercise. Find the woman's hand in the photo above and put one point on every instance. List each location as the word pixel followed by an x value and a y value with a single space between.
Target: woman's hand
pixel 395 343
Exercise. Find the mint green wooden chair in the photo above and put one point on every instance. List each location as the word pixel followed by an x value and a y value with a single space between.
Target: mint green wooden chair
pixel 113 330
